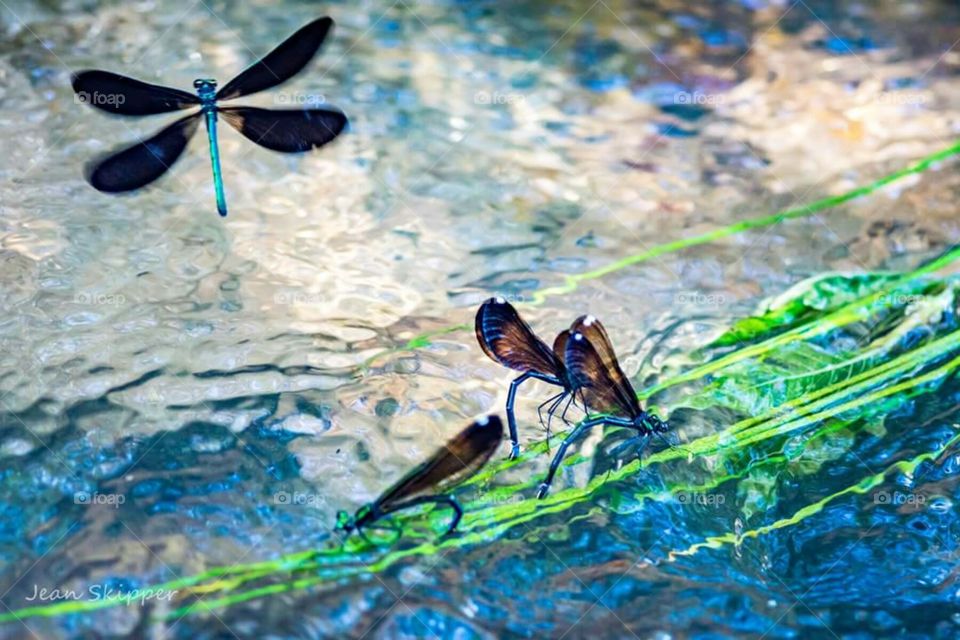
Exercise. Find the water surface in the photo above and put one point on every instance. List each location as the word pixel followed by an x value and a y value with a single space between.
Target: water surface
pixel 201 367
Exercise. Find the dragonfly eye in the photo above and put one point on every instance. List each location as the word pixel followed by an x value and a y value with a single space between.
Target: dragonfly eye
pixel 207 84
pixel 344 521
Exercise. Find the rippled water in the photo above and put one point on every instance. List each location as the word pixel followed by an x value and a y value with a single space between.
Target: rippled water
pixel 197 367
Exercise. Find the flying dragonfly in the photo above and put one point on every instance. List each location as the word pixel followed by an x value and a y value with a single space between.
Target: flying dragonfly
pixel 508 340
pixel 593 368
pixel 285 130
pixel 461 457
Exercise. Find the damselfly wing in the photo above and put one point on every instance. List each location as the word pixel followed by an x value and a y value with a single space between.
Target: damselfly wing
pixel 143 162
pixel 286 130
pixel 461 457
pixel 593 367
pixel 560 349
pixel 285 61
pixel 120 95
pixel 507 339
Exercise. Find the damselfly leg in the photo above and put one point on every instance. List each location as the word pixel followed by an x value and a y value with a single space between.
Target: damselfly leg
pixel 511 401
pixel 438 500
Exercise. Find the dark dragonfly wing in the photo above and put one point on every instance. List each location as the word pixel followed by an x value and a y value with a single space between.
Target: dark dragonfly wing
pixel 560 345
pixel 593 329
pixel 142 163
pixel 462 456
pixel 121 95
pixel 592 366
pixel 281 64
pixel 506 338
pixel 287 130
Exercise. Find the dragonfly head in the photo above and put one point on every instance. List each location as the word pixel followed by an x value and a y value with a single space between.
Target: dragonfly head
pixel 206 88
pixel 654 424
pixel 345 522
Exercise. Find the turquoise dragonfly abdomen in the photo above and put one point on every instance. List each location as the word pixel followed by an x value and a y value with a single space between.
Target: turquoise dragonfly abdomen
pixel 285 130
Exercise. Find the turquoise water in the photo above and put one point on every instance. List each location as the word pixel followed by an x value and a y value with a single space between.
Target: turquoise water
pixel 181 392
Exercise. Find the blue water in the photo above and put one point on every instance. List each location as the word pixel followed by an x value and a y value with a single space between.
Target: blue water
pixel 165 374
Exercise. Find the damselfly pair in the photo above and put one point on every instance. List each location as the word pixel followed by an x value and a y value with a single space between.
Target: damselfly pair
pixel 286 130
pixel 582 362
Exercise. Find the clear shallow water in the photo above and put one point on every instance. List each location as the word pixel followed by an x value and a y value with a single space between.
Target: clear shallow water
pixel 199 367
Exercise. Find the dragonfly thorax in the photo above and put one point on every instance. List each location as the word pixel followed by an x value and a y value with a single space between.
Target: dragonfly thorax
pixel 206 88
pixel 649 423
